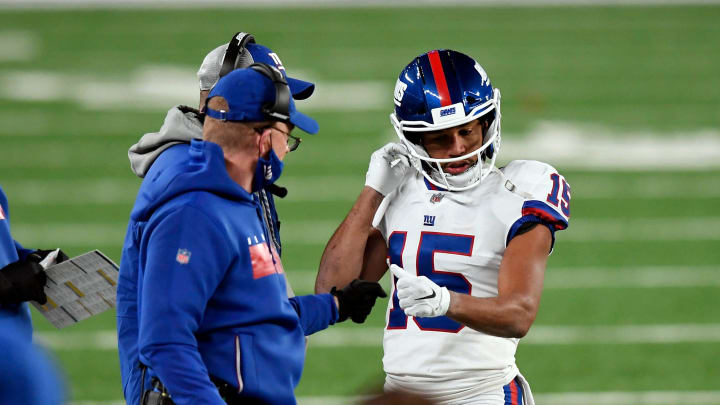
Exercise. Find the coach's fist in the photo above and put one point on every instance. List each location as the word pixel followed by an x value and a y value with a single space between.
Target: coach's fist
pixel 356 300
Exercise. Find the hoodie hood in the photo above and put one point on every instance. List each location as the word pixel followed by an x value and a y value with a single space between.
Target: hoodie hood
pixel 181 169
pixel 181 126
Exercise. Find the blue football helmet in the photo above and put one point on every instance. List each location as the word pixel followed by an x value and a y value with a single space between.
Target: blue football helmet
pixel 443 89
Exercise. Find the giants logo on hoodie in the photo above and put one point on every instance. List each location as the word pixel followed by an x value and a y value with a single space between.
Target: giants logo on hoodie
pixel 265 260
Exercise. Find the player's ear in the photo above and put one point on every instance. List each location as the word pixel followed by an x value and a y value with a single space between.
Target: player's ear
pixel 264 143
pixel 485 125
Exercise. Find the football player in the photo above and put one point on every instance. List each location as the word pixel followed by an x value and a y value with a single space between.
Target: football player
pixel 467 242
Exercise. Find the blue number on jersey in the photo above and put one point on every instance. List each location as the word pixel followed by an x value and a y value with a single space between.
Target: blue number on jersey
pixel 431 243
pixel 552 198
pixel 396 243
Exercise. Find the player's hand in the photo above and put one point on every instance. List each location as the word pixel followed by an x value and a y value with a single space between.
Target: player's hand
pixel 419 296
pixel 23 281
pixel 388 167
pixel 356 300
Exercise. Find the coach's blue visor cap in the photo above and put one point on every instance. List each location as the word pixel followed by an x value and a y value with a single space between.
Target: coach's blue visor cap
pixel 300 89
pixel 246 91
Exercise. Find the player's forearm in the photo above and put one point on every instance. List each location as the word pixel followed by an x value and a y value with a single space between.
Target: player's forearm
pixel 498 316
pixel 342 259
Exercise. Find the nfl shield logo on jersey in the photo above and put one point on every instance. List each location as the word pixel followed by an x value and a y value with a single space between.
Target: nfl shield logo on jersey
pixel 436 198
pixel 183 256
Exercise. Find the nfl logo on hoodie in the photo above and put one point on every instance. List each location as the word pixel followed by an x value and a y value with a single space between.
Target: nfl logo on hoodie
pixel 183 256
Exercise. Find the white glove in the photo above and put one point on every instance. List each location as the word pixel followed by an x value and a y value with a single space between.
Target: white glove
pixel 388 167
pixel 419 296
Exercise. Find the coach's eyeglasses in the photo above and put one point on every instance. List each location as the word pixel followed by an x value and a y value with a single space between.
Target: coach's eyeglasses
pixel 293 142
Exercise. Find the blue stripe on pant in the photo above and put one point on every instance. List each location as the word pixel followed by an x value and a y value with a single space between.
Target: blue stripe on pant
pixel 514 387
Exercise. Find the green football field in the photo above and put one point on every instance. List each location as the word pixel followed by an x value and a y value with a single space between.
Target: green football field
pixel 623 101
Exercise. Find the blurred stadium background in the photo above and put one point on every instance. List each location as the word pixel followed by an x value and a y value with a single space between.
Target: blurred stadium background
pixel 623 100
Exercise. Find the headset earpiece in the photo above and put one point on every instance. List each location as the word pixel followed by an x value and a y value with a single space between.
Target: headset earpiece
pixel 280 109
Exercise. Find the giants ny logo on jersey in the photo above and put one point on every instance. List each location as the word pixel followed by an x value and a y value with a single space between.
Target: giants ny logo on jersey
pixel 429 220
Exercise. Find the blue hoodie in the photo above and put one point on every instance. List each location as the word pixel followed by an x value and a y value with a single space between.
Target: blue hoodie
pixel 28 375
pixel 12 317
pixel 202 293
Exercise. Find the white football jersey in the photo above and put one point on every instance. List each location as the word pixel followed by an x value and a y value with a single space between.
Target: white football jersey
pixel 457 239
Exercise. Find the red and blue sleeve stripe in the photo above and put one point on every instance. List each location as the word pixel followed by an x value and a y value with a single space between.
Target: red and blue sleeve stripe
pixel 537 212
pixel 543 211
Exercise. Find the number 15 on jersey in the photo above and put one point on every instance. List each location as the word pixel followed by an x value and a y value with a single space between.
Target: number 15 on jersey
pixel 430 243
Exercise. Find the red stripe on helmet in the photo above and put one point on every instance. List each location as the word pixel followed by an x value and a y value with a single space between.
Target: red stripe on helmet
pixel 439 76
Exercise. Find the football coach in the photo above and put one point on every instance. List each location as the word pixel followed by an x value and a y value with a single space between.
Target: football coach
pixel 181 125
pixel 215 323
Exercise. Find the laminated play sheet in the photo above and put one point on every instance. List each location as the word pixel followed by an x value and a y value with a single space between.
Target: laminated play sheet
pixel 79 288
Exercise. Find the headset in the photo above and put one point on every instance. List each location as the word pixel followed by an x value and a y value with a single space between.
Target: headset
pixel 233 60
pixel 235 49
pixel 280 108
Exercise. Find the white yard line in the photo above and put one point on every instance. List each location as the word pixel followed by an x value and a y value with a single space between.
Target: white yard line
pixel 582 230
pixel 73 192
pixel 573 146
pixel 590 146
pixel 574 398
pixel 324 188
pixel 68 234
pixel 318 232
pixel 18 46
pixel 553 335
pixel 556 398
pixel 643 229
pixel 632 277
pixel 193 4
pixel 634 398
pixel 372 337
pixel 159 87
pixel 564 278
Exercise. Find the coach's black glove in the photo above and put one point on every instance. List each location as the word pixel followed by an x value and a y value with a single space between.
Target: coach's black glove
pixel 22 281
pixel 25 280
pixel 357 299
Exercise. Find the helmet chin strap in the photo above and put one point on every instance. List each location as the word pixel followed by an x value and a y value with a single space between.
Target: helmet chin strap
pixel 460 180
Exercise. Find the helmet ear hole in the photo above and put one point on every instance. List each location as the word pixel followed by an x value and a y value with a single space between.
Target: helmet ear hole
pixel 488 153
